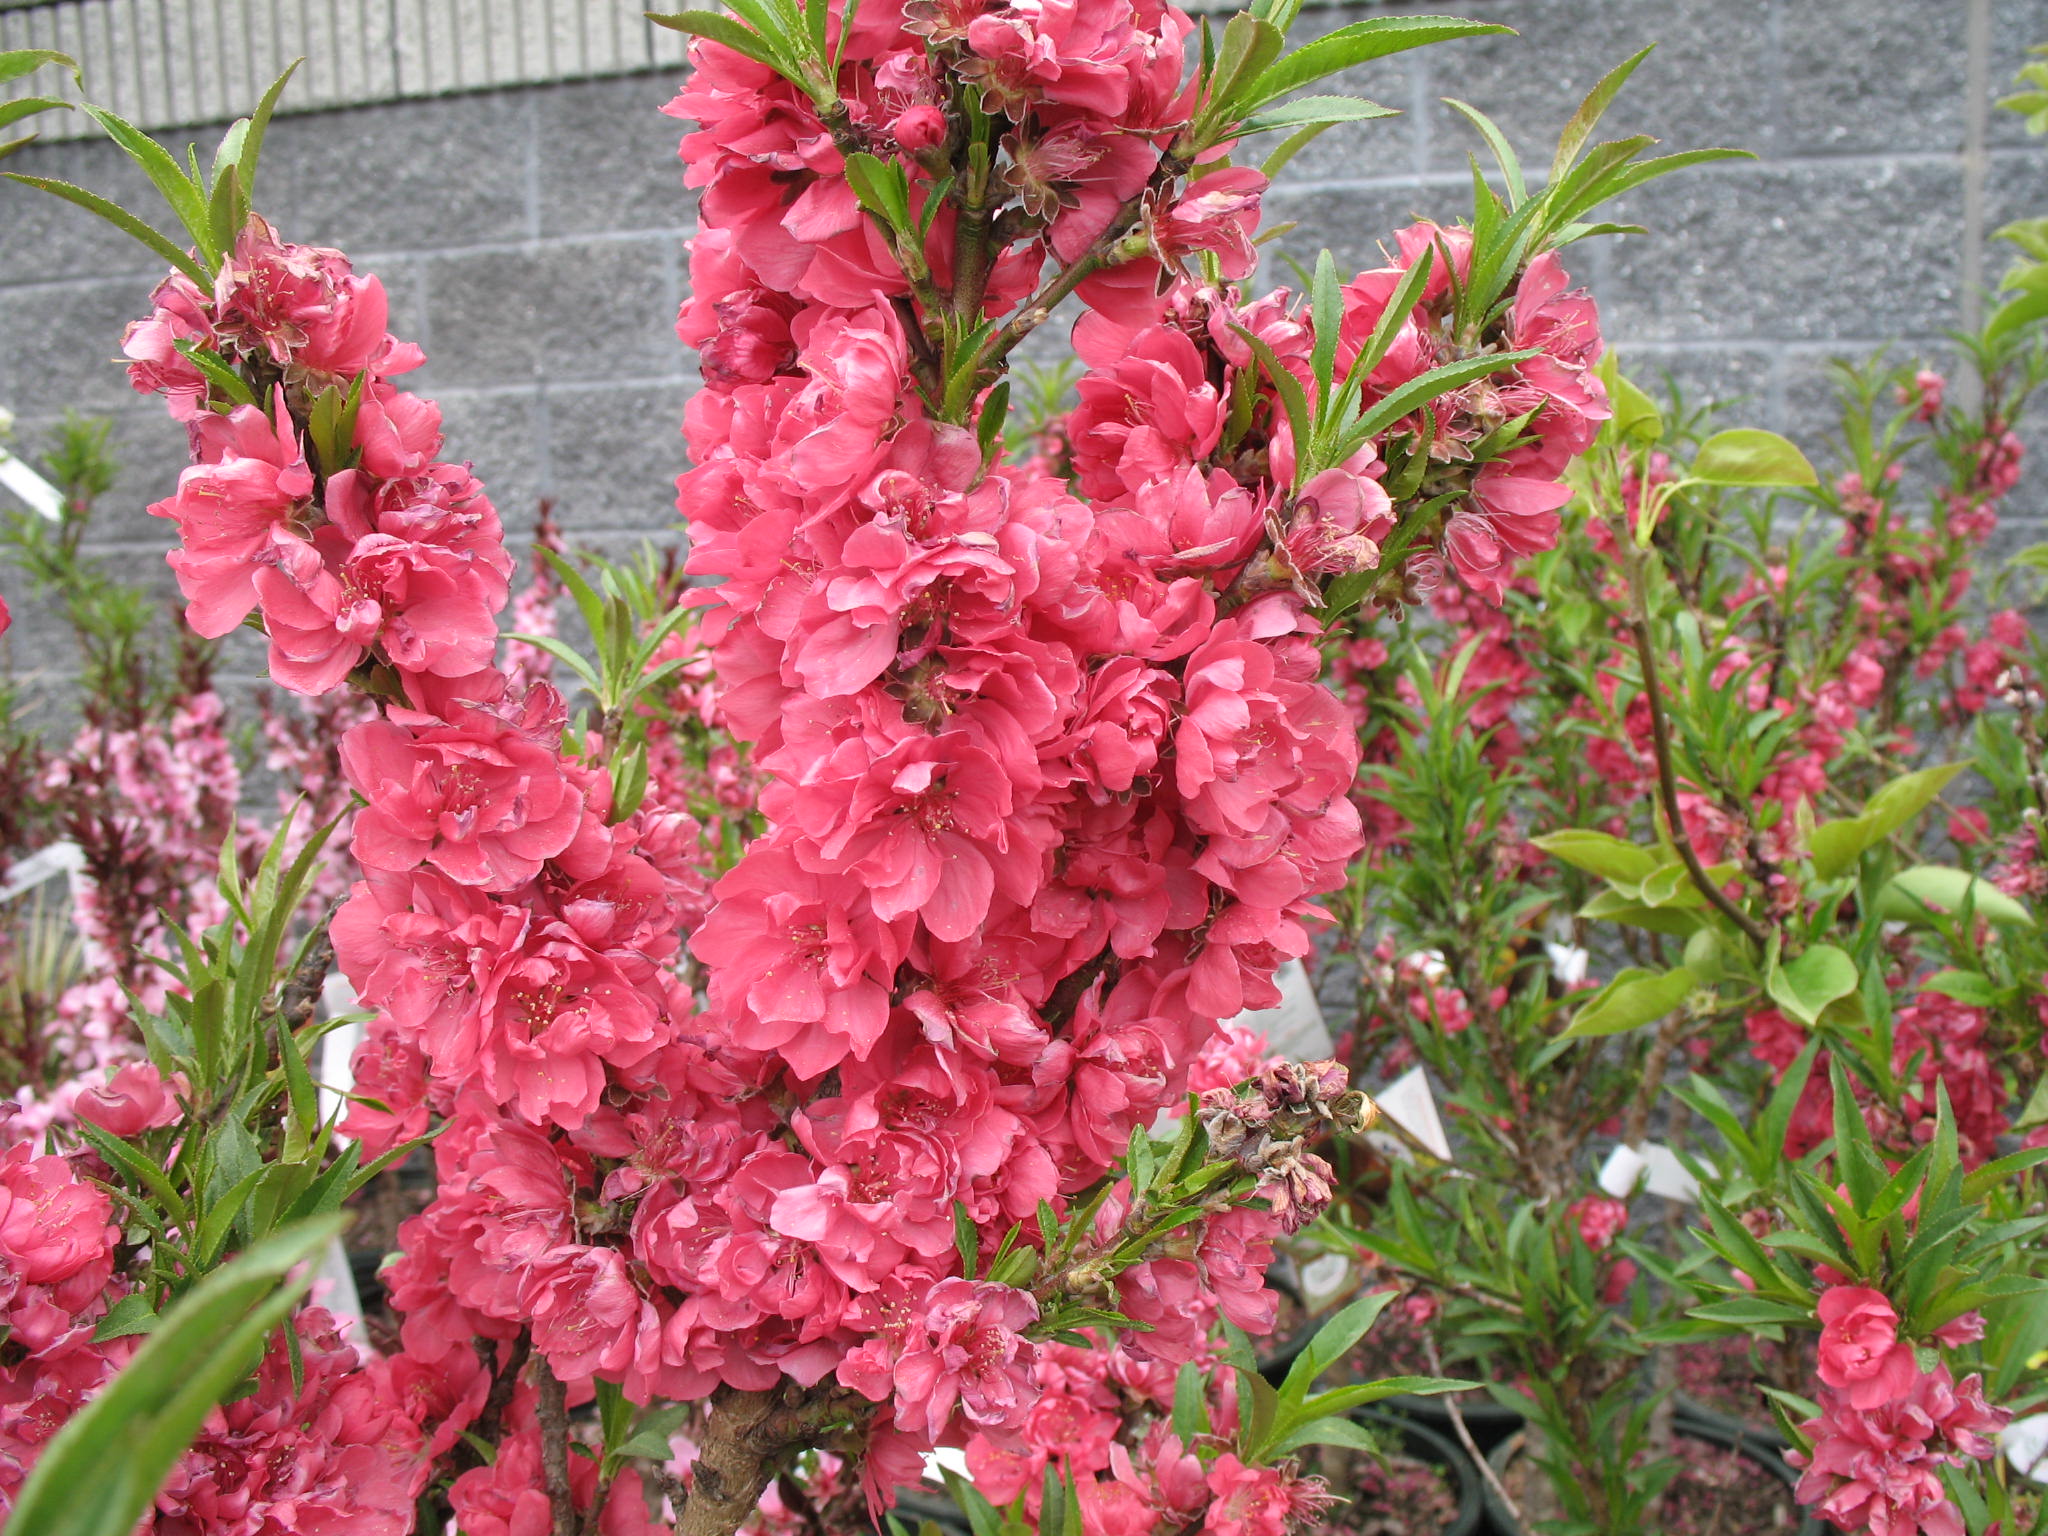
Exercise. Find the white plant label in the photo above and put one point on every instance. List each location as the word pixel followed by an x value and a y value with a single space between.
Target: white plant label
pixel 40 496
pixel 1408 1102
pixel 44 864
pixel 1652 1166
pixel 1294 1027
pixel 1323 1278
pixel 2025 1443
pixel 337 1046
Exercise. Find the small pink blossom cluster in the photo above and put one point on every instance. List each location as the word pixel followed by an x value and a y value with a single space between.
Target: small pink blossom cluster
pixel 1886 1428
pixel 57 1280
pixel 517 939
pixel 148 803
pixel 1512 509
pixel 1046 799
pixel 402 561
pixel 326 1444
pixel 1937 1044
pixel 1103 1420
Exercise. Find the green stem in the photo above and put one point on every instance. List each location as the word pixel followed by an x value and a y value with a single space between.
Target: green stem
pixel 1667 777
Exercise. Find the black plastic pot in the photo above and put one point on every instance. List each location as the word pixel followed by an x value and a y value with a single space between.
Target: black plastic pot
pixel 917 1506
pixel 1690 1410
pixel 1426 1445
pixel 1487 1421
pixel 1765 1458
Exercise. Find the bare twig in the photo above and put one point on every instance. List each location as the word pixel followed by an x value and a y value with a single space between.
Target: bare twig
pixel 1667 776
pixel 1436 1367
pixel 554 1449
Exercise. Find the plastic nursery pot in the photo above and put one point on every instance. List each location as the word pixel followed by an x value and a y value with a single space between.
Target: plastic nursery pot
pixel 1488 1422
pixel 917 1507
pixel 1425 1445
pixel 1690 1410
pixel 1763 1457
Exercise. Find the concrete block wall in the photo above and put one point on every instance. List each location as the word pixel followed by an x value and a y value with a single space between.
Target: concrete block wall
pixel 532 237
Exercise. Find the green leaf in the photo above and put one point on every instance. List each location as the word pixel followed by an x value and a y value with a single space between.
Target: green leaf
pixel 2030 235
pixel 881 188
pixel 1316 111
pixel 1190 1404
pixel 1753 1311
pixel 1599 854
pixel 1329 1430
pixel 1503 152
pixel 1634 998
pixel 1751 456
pixel 99 1474
pixel 217 371
pixel 1971 988
pixel 132 1314
pixel 1809 985
pixel 1374 38
pixel 187 201
pixel 1291 146
pixel 965 1240
pixel 1326 313
pixel 2016 313
pixel 16 62
pixel 250 149
pixel 2035 1111
pixel 122 220
pixel 27 106
pixel 1636 417
pixel 1590 111
pixel 724 31
pixel 652 1434
pixel 1250 43
pixel 1333 1341
pixel 1614 907
pixel 1419 391
pixel 146 1174
pixel 1912 894
pixel 1836 845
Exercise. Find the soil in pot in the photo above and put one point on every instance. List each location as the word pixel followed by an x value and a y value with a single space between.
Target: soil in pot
pixel 1721 1381
pixel 1423 1486
pixel 1394 1348
pixel 1727 1485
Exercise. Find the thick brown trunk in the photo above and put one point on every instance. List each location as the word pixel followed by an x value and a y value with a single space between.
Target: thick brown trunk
pixel 736 1459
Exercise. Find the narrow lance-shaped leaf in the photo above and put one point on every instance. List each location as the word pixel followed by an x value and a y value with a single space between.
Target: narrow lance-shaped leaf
pixel 1374 38
pixel 99 1474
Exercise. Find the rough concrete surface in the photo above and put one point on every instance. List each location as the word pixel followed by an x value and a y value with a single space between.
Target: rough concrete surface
pixel 533 236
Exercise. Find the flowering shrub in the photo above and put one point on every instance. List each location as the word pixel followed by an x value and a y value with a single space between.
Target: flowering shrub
pixel 1844 986
pixel 820 1012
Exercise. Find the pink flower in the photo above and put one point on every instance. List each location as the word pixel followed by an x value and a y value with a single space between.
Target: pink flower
pixel 919 127
pixel 236 511
pixel 1150 414
pixel 925 825
pixel 961 1350
pixel 53 1225
pixel 585 1310
pixel 1878 1468
pixel 156 366
pixel 1925 395
pixel 799 961
pixel 1218 213
pixel 1860 1348
pixel 1599 1219
pixel 135 1098
pixel 483 803
pixel 1249 1501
